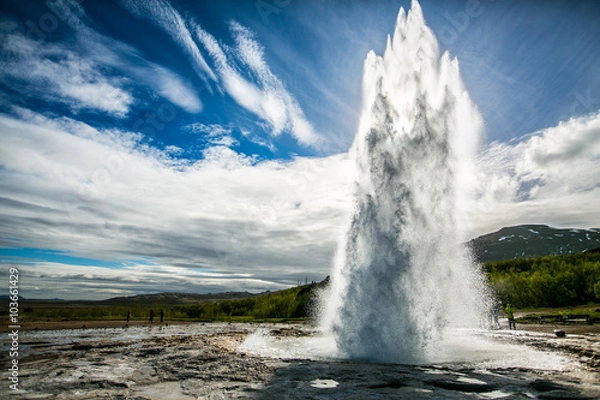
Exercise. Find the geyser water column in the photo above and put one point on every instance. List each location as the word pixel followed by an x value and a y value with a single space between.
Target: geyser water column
pixel 402 275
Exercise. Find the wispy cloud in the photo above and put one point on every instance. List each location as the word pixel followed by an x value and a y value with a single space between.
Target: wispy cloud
pixel 266 96
pixel 164 15
pixel 214 134
pixel 261 93
pixel 257 139
pixel 110 52
pixel 170 86
pixel 59 74
pixel 97 73
pixel 251 54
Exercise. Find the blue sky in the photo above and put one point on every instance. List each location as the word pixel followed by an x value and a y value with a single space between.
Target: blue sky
pixel 211 138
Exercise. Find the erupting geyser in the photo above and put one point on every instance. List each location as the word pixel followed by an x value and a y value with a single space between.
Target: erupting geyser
pixel 402 275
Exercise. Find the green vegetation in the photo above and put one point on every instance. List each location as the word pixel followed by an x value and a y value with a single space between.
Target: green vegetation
pixel 289 304
pixel 559 314
pixel 526 283
pixel 296 302
pixel 71 312
pixel 553 281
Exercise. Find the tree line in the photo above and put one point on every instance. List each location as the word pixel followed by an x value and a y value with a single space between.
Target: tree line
pixel 296 302
pixel 552 281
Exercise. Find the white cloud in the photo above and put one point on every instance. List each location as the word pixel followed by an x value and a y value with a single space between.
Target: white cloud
pixel 267 98
pixel 111 52
pixel 59 74
pixel 77 75
pixel 171 87
pixel 211 130
pixel 279 104
pixel 215 134
pixel 229 221
pixel 549 177
pixel 265 95
pixel 104 195
pixel 55 280
pixel 256 139
pixel 164 15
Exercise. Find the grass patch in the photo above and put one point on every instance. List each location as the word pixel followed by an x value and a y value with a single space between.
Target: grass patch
pixel 532 315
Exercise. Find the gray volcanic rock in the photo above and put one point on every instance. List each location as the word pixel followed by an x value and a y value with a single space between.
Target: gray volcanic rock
pixel 203 361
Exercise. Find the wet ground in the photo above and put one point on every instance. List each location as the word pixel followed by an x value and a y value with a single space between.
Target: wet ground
pixel 204 361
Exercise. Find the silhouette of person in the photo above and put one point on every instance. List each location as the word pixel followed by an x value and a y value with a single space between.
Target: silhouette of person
pixel 495 323
pixel 151 316
pixel 511 318
pixel 128 316
pixel 162 315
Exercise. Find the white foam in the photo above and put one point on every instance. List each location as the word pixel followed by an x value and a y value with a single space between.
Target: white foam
pixel 402 273
pixel 477 349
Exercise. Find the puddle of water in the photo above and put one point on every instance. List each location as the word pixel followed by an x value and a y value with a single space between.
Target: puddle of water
pixel 470 380
pixel 164 391
pixel 324 383
pixel 496 394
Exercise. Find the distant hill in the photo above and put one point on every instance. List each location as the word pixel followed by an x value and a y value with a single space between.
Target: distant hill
pixel 7 297
pixel 174 298
pixel 295 302
pixel 150 300
pixel 525 241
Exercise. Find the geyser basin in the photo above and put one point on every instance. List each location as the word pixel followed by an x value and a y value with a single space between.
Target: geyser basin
pixel 404 294
pixel 402 277
pixel 468 348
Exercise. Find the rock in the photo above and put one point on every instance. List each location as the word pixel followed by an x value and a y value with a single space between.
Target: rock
pixel 394 384
pixel 151 352
pixel 202 363
pixel 559 333
pixel 84 347
pixel 562 394
pixel 463 386
pixel 545 386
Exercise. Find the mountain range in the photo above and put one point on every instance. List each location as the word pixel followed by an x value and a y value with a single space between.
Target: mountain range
pixel 533 241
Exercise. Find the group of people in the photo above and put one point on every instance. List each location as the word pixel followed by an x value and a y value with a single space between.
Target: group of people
pixel 151 319
pixel 509 314
pixel 495 324
pixel 161 314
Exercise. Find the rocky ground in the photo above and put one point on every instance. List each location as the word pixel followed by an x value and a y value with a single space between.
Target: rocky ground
pixel 203 361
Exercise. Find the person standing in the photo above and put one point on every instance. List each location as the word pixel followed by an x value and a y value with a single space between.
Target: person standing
pixel 511 318
pixel 162 315
pixel 128 316
pixel 151 316
pixel 495 323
